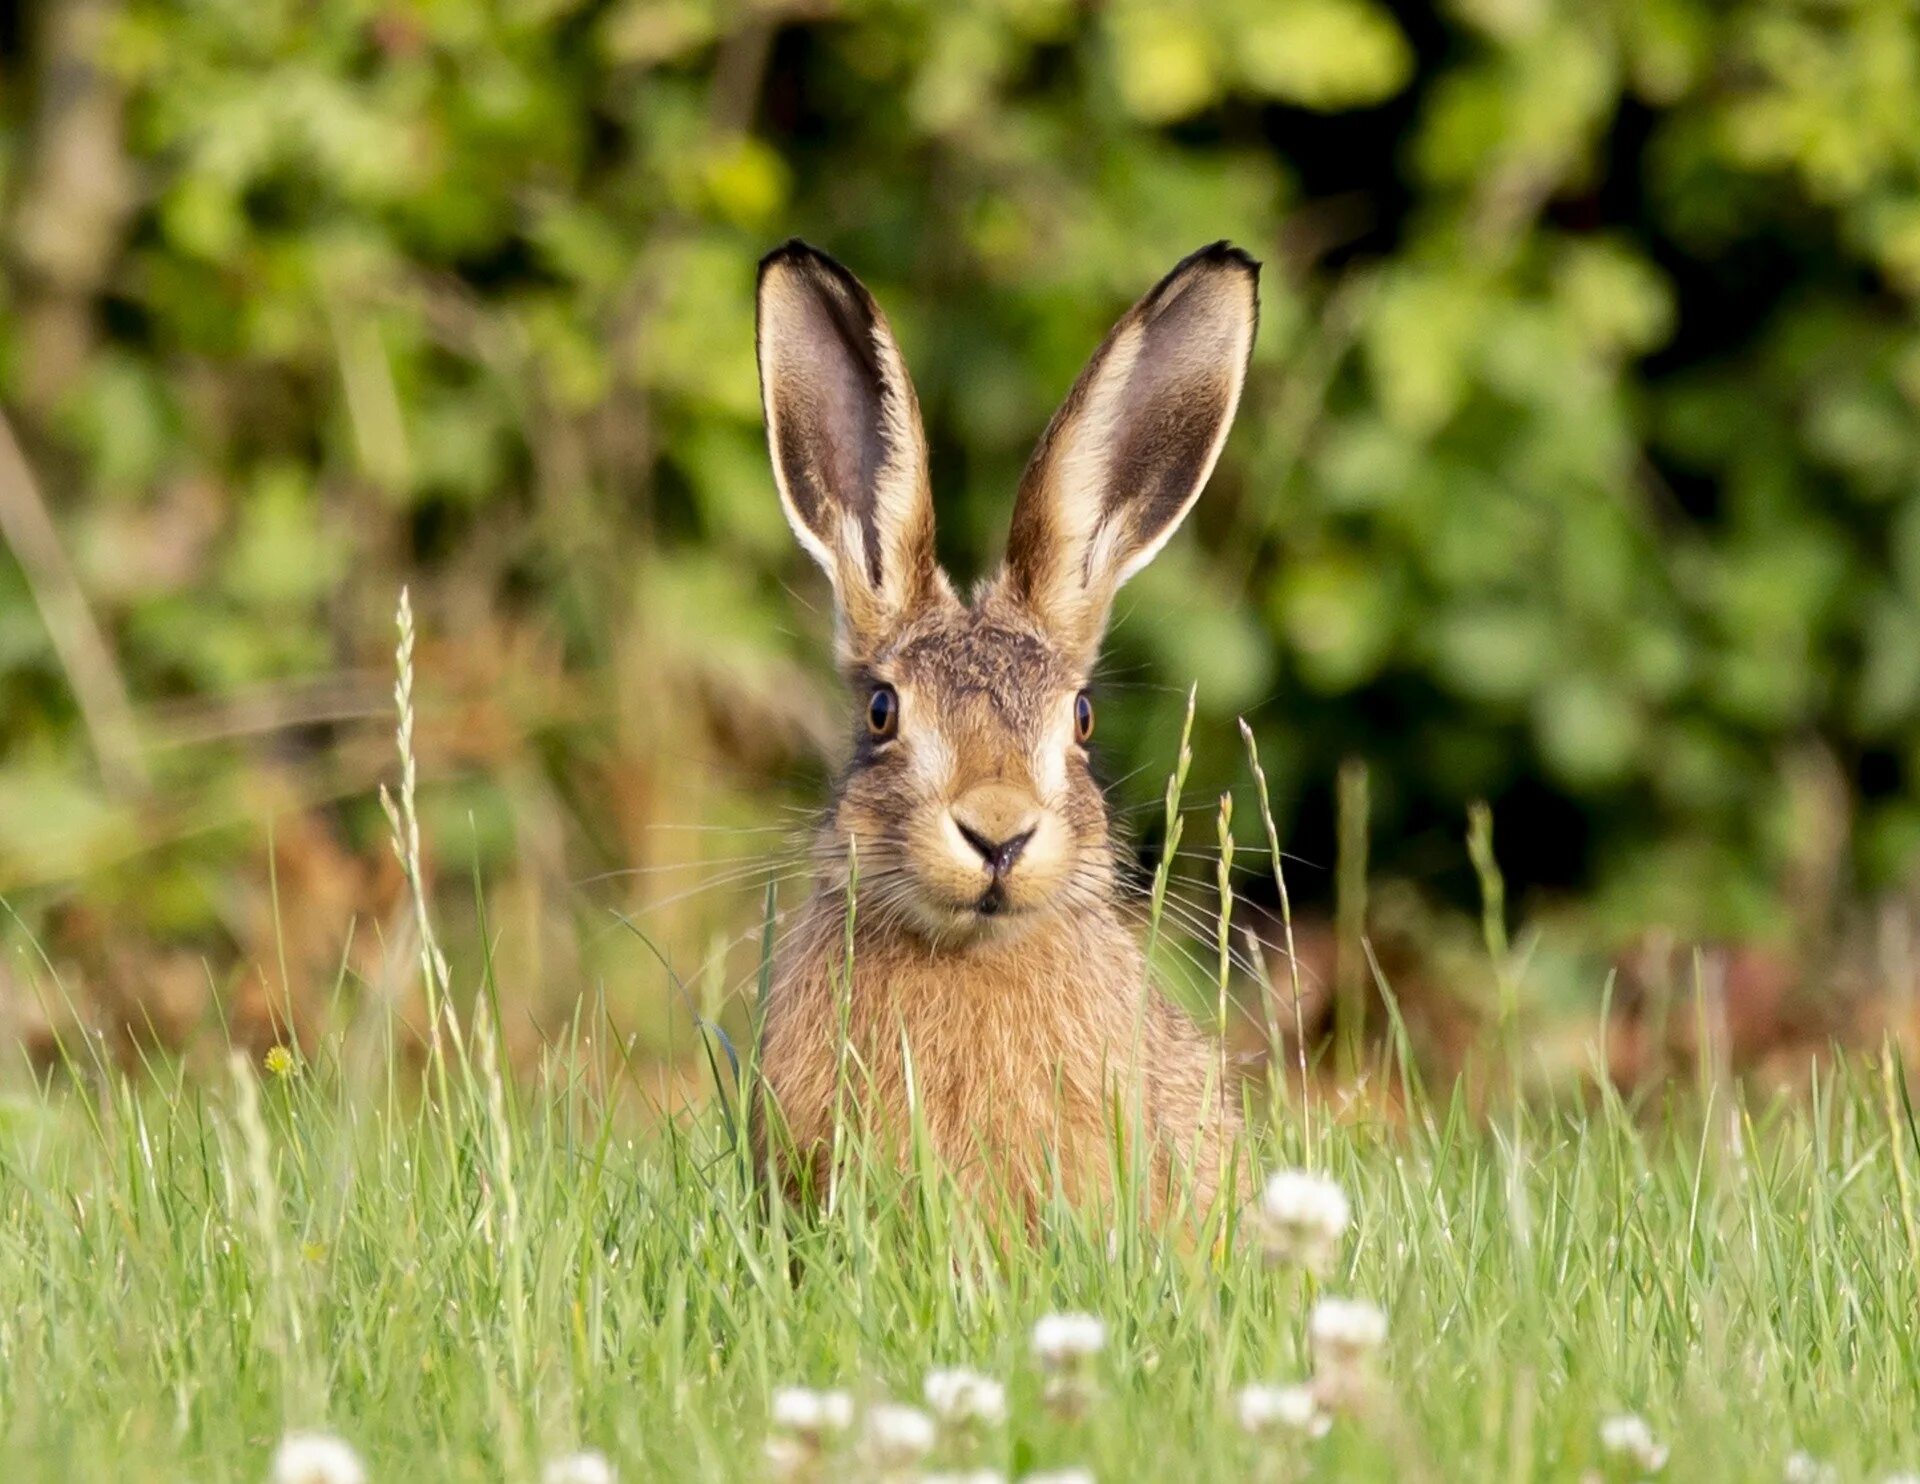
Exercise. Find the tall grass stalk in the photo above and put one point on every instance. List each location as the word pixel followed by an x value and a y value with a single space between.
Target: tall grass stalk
pixel 1174 827
pixel 1493 929
pixel 285 1330
pixel 1131 1134
pixel 1274 1048
pixel 404 817
pixel 1350 919
pixel 843 1017
pixel 1903 1137
pixel 1223 881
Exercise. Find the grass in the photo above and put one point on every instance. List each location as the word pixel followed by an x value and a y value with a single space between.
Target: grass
pixel 463 1288
pixel 465 1276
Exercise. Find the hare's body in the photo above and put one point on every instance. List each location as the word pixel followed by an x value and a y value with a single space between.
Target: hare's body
pixel 1022 1054
pixel 995 996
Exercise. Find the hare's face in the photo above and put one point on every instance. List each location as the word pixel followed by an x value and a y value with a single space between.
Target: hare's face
pixel 969 800
pixel 969 804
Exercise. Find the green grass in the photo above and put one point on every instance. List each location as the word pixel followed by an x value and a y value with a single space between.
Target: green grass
pixel 464 1276
pixel 464 1287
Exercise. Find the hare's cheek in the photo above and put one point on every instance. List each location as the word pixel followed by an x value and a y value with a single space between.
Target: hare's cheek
pixel 1050 769
pixel 1085 811
pixel 929 764
pixel 870 811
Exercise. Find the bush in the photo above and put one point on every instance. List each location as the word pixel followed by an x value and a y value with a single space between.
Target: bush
pixel 1579 470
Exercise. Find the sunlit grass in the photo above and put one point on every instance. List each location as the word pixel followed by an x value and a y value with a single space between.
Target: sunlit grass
pixel 420 1266
pixel 193 1271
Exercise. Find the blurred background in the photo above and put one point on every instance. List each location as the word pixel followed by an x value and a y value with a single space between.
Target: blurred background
pixel 1579 473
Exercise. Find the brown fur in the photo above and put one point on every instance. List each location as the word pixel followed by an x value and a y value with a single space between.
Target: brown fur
pixel 1004 1003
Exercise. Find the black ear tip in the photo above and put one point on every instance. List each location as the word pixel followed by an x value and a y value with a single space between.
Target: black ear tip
pixel 791 253
pixel 1224 254
pixel 803 257
pixel 1215 257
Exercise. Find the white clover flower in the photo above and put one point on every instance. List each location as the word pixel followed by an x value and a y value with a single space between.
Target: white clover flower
pixel 898 1435
pixel 316 1458
pixel 958 1397
pixel 1061 1341
pixel 1059 1476
pixel 811 1415
pixel 787 1457
pixel 1804 1468
pixel 1345 1333
pixel 588 1467
pixel 1627 1436
pixel 1301 1218
pixel 1266 1409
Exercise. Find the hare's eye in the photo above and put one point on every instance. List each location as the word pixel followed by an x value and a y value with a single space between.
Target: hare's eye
pixel 1083 716
pixel 883 711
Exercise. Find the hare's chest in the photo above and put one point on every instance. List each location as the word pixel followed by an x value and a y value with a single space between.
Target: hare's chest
pixel 985 1070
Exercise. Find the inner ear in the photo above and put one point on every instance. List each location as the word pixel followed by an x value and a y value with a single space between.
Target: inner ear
pixel 825 392
pixel 849 456
pixel 1132 446
pixel 1172 414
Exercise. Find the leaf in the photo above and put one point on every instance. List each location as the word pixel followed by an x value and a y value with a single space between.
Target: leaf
pixel 1166 64
pixel 1589 730
pixel 1493 653
pixel 1338 612
pixel 1323 54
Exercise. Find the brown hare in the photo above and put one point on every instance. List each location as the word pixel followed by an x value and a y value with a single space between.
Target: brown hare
pixel 996 986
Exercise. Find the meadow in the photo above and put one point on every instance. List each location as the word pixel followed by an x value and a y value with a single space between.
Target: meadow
pixel 1576 486
pixel 390 1240
pixel 465 1285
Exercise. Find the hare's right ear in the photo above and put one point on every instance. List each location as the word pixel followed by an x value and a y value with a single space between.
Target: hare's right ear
pixel 848 452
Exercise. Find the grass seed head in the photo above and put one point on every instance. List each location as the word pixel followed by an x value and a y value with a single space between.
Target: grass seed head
pixel 316 1458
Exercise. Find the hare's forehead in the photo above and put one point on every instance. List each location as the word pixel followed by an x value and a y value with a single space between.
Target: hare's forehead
pixel 970 663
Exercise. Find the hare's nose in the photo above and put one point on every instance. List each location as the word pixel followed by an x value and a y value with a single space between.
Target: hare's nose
pixel 997 821
pixel 998 854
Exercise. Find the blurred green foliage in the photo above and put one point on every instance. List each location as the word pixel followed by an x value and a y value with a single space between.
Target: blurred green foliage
pixel 1580 469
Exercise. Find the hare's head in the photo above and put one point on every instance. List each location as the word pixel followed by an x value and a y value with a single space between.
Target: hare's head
pixel 969 799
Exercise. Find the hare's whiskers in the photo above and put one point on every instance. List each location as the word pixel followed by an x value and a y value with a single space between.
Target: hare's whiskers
pixel 666 868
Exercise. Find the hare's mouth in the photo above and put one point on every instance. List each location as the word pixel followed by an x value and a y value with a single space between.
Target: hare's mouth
pixel 987 917
pixel 992 906
pixel 962 890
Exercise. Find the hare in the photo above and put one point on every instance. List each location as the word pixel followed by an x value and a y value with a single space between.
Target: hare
pixel 994 986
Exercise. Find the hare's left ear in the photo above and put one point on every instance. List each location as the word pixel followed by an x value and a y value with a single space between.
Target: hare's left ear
pixel 848 452
pixel 1129 451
